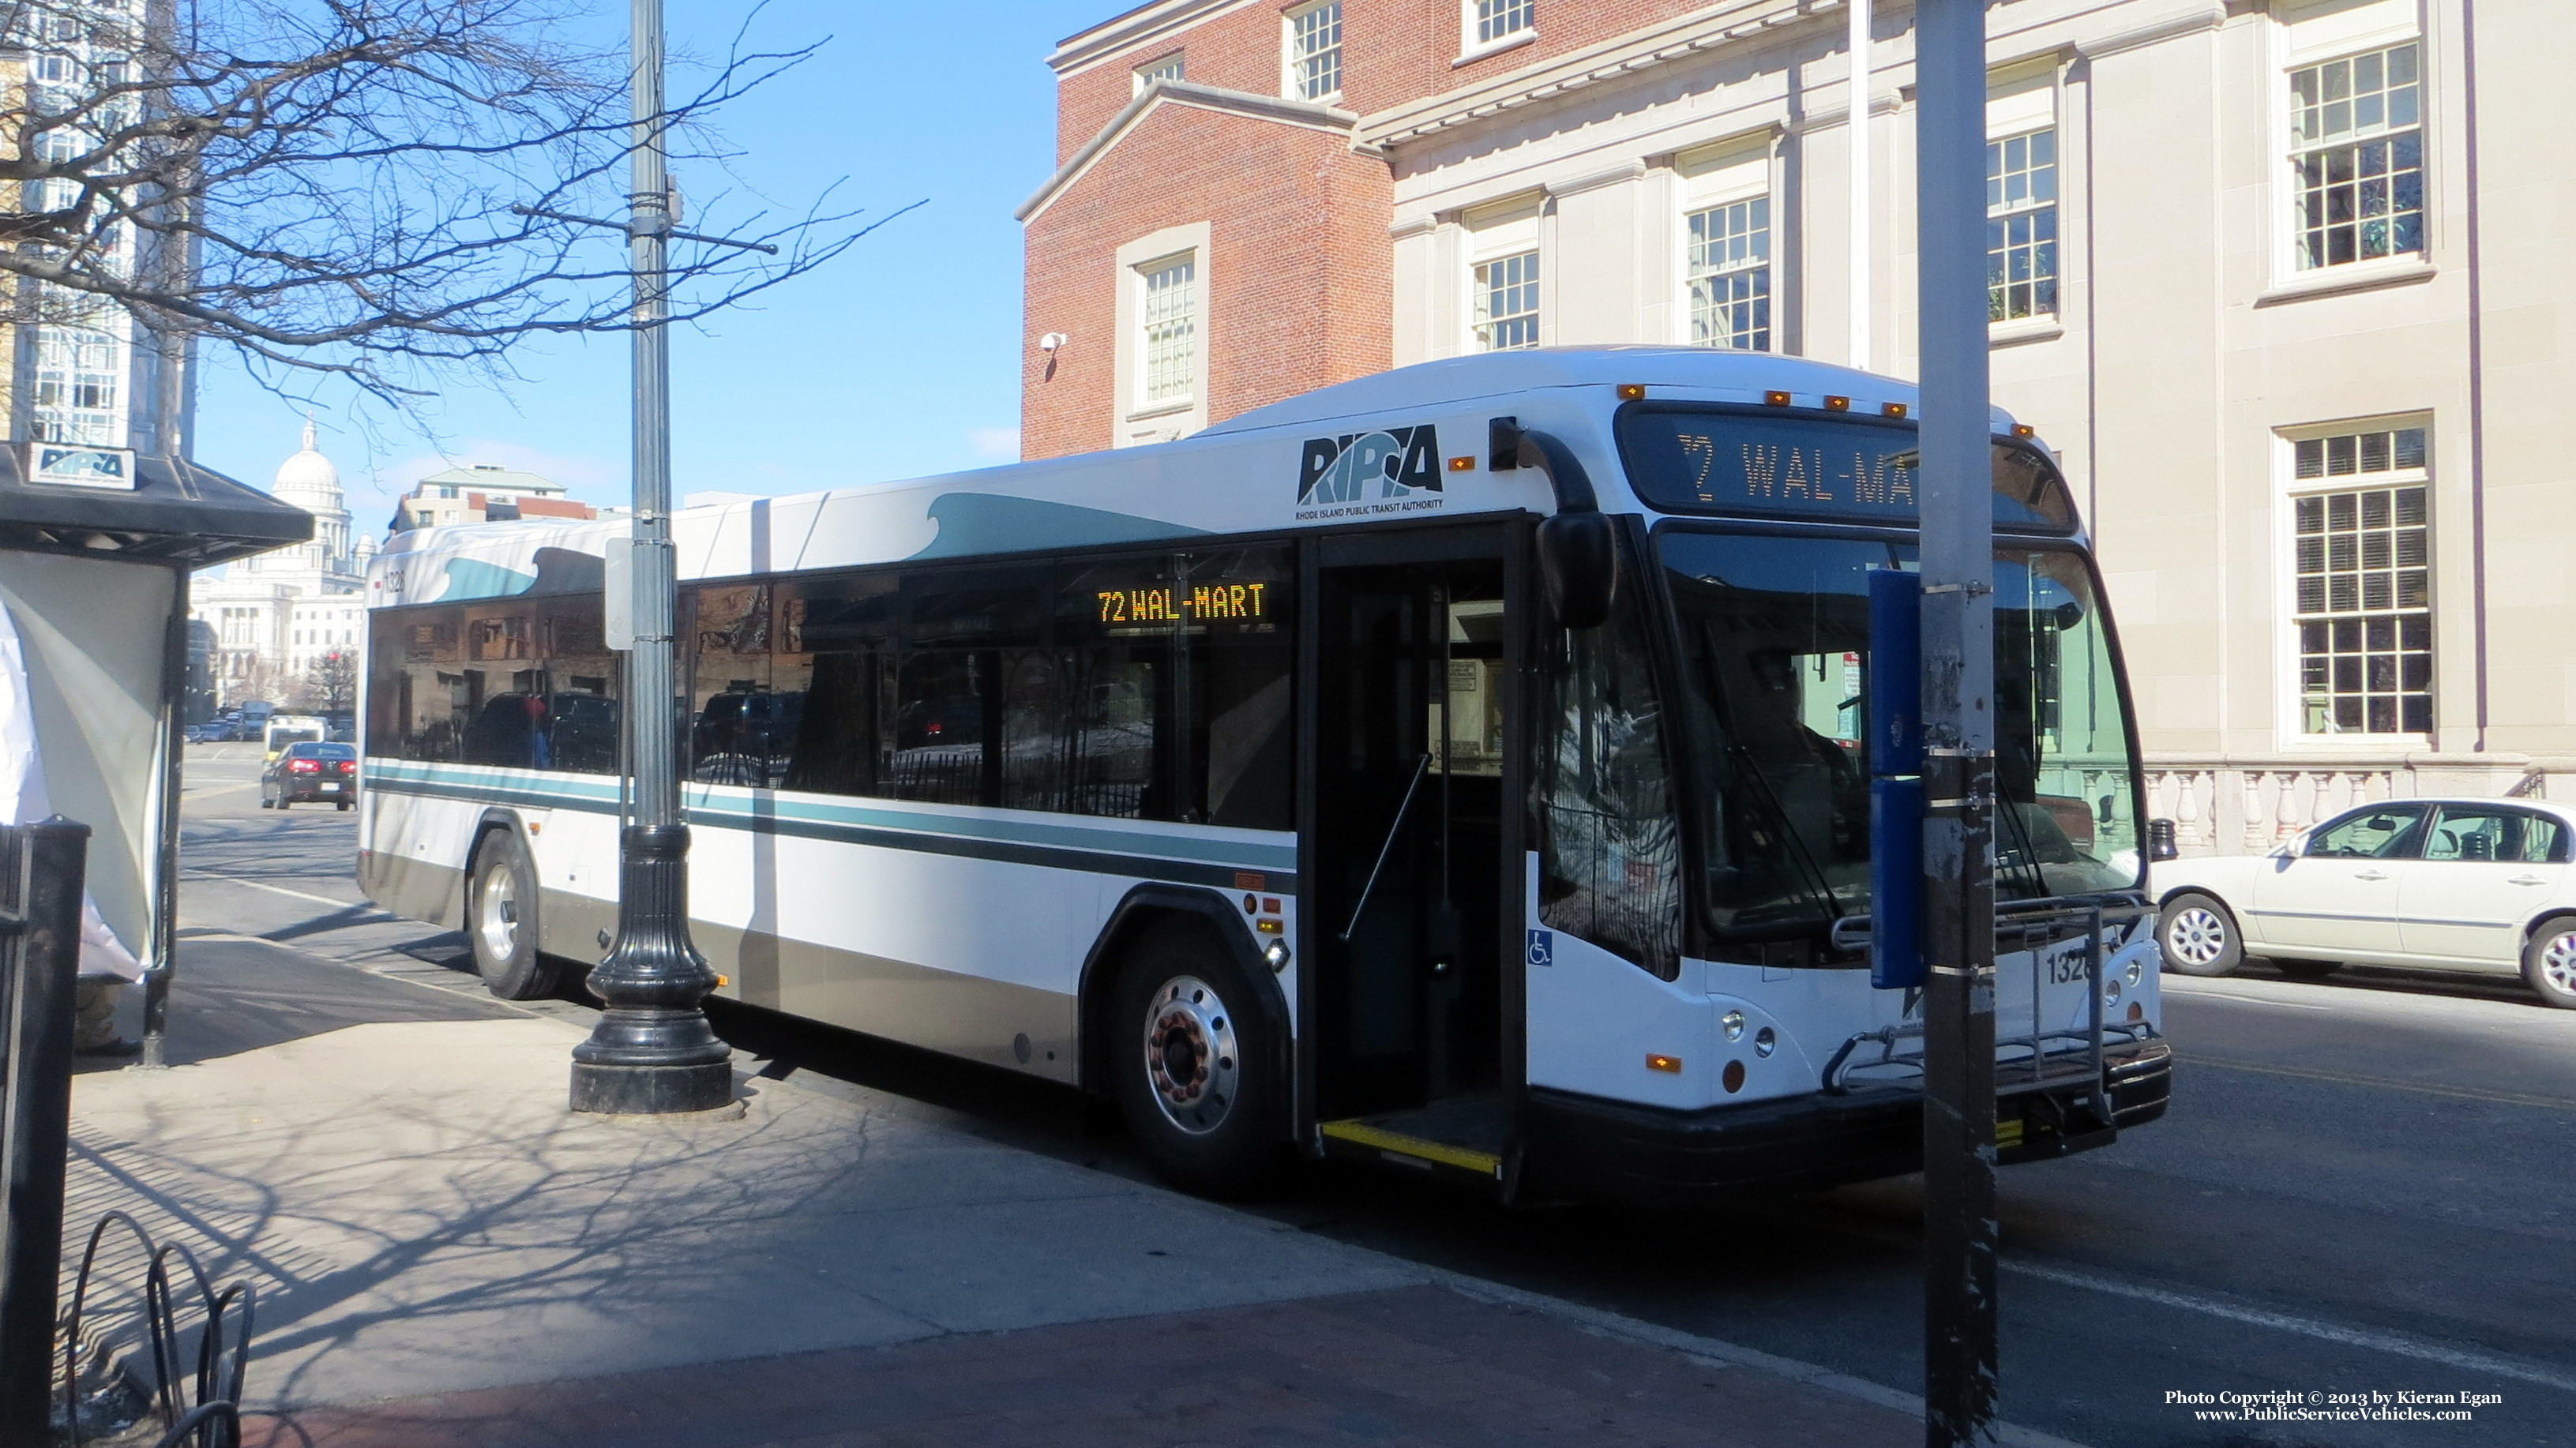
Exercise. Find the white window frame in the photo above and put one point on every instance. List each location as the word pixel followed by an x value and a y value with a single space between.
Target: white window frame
pixel 1169 67
pixel 2304 35
pixel 1738 169
pixel 1292 60
pixel 1133 419
pixel 1185 388
pixel 2021 101
pixel 1494 234
pixel 1475 45
pixel 2292 732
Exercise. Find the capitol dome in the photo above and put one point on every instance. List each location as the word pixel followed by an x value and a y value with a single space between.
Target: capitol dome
pixel 308 479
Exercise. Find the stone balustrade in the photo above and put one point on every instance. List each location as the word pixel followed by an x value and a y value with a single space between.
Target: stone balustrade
pixel 2239 805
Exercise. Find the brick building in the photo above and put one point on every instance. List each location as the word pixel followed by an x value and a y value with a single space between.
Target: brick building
pixel 2297 342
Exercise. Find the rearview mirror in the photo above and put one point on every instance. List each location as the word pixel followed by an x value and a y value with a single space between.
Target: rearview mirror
pixel 1578 567
pixel 1578 562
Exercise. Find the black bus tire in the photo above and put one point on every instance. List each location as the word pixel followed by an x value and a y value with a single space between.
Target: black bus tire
pixel 501 920
pixel 1196 1072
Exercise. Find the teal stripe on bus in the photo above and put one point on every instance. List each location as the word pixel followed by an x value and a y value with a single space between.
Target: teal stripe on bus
pixel 1136 853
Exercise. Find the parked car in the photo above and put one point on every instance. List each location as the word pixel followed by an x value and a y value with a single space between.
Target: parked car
pixel 310 770
pixel 2481 885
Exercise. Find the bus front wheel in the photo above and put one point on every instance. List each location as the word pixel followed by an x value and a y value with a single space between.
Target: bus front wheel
pixel 501 920
pixel 1197 1072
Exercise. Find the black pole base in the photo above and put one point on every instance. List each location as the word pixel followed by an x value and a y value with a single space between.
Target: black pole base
pixel 652 1052
pixel 651 1090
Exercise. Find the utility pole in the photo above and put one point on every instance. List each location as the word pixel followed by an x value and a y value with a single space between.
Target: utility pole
pixel 652 1050
pixel 1858 43
pixel 1959 1228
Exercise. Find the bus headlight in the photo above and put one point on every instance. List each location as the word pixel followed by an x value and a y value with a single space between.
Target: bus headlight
pixel 1734 1023
pixel 1277 956
pixel 2137 972
pixel 2111 992
pixel 1765 1042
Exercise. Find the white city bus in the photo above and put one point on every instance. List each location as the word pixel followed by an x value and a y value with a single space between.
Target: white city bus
pixel 1338 779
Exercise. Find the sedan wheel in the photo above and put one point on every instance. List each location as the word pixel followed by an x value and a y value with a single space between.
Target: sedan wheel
pixel 2549 961
pixel 2197 936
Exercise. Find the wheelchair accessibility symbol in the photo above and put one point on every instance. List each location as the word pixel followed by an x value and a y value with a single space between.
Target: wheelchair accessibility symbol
pixel 1542 947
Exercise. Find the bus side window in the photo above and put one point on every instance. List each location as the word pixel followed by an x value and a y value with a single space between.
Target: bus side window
pixel 1610 848
pixel 834 645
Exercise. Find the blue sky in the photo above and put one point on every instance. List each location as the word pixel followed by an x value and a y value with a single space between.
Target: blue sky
pixel 899 359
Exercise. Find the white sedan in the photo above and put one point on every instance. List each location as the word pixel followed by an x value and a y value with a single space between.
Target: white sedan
pixel 2480 885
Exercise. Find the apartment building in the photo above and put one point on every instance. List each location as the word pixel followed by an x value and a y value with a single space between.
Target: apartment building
pixel 2275 279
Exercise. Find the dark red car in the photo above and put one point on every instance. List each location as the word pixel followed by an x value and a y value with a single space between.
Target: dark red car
pixel 319 773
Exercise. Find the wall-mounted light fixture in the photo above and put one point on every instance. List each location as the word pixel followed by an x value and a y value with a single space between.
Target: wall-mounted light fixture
pixel 1051 341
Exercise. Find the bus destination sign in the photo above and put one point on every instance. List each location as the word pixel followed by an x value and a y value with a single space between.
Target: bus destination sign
pixel 1711 460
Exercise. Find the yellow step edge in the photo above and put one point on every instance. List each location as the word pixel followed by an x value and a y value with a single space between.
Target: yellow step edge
pixel 1360 1133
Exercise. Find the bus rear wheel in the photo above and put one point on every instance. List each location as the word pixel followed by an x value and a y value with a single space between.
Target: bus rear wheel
pixel 501 920
pixel 1196 1070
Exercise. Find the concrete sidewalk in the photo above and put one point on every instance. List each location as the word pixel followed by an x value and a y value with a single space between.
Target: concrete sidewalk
pixel 445 1256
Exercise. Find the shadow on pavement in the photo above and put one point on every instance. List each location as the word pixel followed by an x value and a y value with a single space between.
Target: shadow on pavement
pixel 231 996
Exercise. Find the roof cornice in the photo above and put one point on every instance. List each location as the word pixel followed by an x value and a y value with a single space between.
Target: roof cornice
pixel 1306 114
pixel 1708 28
pixel 1158 17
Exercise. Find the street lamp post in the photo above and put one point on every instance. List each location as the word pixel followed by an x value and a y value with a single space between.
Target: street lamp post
pixel 652 1050
pixel 1958 660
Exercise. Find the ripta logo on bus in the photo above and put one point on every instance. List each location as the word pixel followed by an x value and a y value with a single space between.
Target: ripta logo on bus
pixel 1365 467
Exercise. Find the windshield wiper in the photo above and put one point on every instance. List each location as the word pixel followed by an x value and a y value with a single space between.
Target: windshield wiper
pixel 1814 876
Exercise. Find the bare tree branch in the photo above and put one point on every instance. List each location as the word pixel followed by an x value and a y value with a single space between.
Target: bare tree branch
pixel 356 188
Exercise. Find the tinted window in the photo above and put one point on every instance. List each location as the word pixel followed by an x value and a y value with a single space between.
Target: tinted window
pixel 2385 832
pixel 2482 834
pixel 517 683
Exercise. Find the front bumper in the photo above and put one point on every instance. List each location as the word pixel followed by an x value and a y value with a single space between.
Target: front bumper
pixel 1581 1146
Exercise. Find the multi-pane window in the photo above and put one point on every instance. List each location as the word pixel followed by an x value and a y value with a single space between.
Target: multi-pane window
pixel 2021 226
pixel 1169 319
pixel 1730 275
pixel 2357 157
pixel 1503 19
pixel 1315 51
pixel 1168 68
pixel 78 376
pixel 2365 585
pixel 1507 302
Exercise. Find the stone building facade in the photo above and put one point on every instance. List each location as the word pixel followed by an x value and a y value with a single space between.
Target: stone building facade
pixel 2267 275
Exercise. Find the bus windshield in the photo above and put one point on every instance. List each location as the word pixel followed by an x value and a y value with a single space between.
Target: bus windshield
pixel 1774 632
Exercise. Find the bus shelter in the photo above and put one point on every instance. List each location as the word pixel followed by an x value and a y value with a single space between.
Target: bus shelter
pixel 96 545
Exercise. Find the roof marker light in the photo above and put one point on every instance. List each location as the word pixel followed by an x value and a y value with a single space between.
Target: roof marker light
pixel 1837 404
pixel 1776 398
pixel 1632 392
pixel 2023 429
pixel 1891 409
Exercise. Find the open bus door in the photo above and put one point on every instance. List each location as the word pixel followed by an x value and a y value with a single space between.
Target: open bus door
pixel 1411 1050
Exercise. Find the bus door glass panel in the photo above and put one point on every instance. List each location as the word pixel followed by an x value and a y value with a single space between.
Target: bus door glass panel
pixel 2341 892
pixel 735 731
pixel 503 689
pixel 581 711
pixel 1410 1005
pixel 833 646
pixel 2486 871
pixel 1609 845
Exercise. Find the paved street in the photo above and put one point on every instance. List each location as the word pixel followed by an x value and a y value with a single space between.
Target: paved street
pixel 2361 1186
